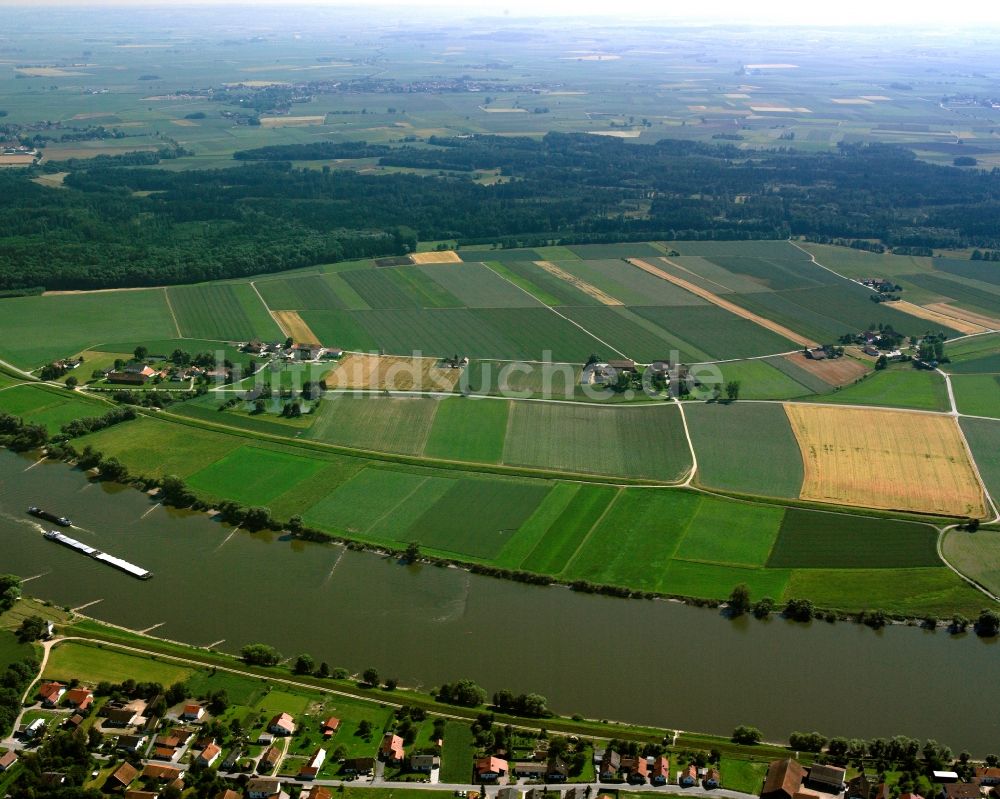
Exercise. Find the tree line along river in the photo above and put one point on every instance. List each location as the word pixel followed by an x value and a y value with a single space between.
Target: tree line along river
pixel 651 662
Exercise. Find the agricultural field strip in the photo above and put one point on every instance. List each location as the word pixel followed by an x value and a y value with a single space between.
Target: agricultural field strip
pixel 990 502
pixel 561 316
pixel 170 307
pixel 931 313
pixel 733 308
pixel 590 532
pixel 577 282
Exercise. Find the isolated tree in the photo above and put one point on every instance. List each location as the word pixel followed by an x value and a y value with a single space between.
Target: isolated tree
pixel 324 670
pixel 747 735
pixel 259 406
pixel 988 623
pixel 370 676
pixel 32 628
pixel 304 664
pixel 739 600
pixel 140 353
pixel 72 382
pixel 260 655
pixel 763 607
pixel 733 390
pixel 412 553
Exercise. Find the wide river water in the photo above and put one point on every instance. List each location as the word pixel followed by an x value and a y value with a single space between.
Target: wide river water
pixel 659 663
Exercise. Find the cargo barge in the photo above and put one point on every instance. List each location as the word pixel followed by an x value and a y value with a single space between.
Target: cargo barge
pixel 96 554
pixel 37 512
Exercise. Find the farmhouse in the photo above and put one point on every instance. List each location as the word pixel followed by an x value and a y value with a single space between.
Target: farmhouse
pixel 784 779
pixel 359 765
pixel 192 712
pixel 660 774
pixel 282 724
pixel 557 771
pixel 988 775
pixel 391 748
pixel 711 780
pixel 50 693
pixel 79 698
pixel 132 743
pixel 611 764
pixel 268 760
pixel 33 730
pixel 688 778
pixel 826 779
pixel 313 765
pixel 265 788
pixel 637 768
pixel 816 354
pixel 154 771
pixel 424 763
pixel 7 759
pixel 492 770
pixel 528 769
pixel 961 790
pixel 122 778
pixel 229 793
pixel 209 754
pixel 330 726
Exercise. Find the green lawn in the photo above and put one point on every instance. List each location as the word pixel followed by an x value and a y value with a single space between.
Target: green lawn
pixel 457 753
pixel 253 476
pixel 816 540
pixel 281 701
pixel 727 436
pixel 896 387
pixel 467 429
pixel 13 651
pixel 93 664
pixel 239 689
pixel 742 775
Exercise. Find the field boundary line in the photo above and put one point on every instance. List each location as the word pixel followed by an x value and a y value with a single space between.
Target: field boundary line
pixel 561 316
pixel 943 532
pixel 170 307
pixel 590 532
pixel 687 435
pixel 724 304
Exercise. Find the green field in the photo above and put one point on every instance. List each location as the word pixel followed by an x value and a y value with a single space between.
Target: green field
pixel 626 442
pixel 223 312
pixel 570 528
pixel 93 664
pixel 312 292
pixel 13 651
pixel 725 436
pixel 815 540
pixel 253 476
pixel 476 286
pixel 766 379
pixel 376 423
pixel 722 532
pixel 897 387
pixel 976 395
pixel 52 327
pixel 476 517
pixel 468 430
pixel 935 591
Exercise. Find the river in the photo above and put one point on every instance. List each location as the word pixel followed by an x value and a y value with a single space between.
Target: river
pixel 660 663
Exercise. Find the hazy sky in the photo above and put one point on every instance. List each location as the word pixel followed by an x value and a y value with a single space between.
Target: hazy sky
pixel 838 12
pixel 970 13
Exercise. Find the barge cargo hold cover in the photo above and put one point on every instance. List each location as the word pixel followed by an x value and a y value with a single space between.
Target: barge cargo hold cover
pixel 96 554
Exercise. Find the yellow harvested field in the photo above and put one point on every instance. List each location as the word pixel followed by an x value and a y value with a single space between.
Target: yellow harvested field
pixel 779 109
pixel 48 72
pixel 617 134
pixel 942 318
pixel 835 372
pixel 295 327
pixel 16 160
pixel 580 283
pixel 380 372
pixel 715 299
pixel 442 257
pixel 291 122
pixel 960 313
pixel 887 459
pixel 54 180
pixel 184 123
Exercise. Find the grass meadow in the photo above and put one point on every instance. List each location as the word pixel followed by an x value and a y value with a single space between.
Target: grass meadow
pixel 897 387
pixel 93 664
